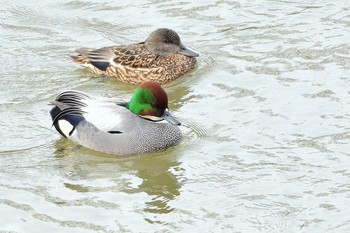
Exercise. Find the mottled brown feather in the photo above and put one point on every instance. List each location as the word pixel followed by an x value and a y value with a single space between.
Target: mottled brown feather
pixel 134 63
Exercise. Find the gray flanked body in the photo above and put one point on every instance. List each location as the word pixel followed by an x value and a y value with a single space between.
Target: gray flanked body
pixel 106 126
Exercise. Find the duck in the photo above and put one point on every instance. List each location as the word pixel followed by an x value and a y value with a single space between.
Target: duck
pixel 142 124
pixel 161 57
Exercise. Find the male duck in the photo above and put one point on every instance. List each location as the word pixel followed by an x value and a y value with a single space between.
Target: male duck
pixel 122 128
pixel 162 58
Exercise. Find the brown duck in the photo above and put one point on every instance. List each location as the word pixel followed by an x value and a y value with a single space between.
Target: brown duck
pixel 161 58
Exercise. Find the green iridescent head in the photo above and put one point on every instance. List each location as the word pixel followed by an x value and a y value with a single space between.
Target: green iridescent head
pixel 150 101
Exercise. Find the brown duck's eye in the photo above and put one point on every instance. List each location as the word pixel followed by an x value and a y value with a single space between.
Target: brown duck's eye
pixel 153 104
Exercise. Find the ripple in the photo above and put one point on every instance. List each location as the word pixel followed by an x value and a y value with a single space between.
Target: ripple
pixel 193 132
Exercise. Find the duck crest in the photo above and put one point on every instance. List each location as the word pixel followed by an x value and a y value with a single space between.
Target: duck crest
pixel 162 58
pixel 149 99
pixel 160 96
pixel 140 101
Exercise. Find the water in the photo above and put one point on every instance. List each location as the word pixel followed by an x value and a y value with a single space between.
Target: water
pixel 265 119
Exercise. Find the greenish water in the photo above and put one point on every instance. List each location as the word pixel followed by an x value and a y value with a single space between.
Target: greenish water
pixel 265 119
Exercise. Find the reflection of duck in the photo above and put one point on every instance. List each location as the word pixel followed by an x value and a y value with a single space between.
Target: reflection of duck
pixel 156 177
pixel 162 57
pixel 123 128
pixel 159 181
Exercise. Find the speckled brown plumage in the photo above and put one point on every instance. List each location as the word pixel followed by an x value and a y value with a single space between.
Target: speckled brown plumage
pixel 162 58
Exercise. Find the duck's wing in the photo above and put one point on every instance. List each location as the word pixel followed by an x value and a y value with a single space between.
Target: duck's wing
pixel 99 58
pixel 73 107
pixel 133 55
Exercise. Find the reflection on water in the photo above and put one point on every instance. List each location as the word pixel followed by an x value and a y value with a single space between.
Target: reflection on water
pixel 158 181
pixel 154 174
pixel 265 119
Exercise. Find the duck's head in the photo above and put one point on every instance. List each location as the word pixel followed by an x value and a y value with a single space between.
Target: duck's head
pixel 164 41
pixel 150 101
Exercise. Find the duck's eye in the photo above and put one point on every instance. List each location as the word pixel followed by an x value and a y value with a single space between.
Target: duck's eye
pixel 153 104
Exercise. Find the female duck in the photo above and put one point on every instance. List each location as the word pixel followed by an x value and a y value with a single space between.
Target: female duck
pixel 162 58
pixel 122 128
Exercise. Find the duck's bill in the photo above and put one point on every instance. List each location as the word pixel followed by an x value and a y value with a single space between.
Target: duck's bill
pixel 169 118
pixel 187 52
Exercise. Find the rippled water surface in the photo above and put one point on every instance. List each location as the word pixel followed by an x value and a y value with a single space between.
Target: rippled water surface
pixel 266 119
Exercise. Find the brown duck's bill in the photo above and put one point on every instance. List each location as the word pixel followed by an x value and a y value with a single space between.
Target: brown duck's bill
pixel 187 52
pixel 169 118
